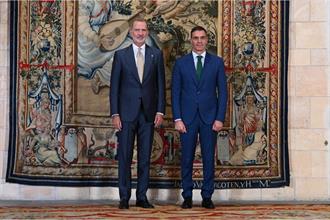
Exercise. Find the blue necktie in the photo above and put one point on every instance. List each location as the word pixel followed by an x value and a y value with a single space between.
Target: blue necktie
pixel 199 67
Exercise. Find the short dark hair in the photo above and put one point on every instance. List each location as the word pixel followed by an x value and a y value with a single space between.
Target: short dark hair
pixel 197 28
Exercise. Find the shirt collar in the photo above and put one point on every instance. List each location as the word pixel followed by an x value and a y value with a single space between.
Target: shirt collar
pixel 136 48
pixel 196 54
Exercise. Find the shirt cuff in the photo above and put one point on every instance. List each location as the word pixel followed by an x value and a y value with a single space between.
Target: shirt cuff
pixel 178 119
pixel 114 115
pixel 159 113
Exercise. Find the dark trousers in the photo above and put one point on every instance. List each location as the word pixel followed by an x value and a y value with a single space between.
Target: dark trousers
pixel 144 130
pixel 207 139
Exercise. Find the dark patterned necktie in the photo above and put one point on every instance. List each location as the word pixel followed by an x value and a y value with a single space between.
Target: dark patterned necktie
pixel 199 67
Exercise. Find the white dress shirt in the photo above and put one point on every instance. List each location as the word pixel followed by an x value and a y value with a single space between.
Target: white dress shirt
pixel 196 59
pixel 136 49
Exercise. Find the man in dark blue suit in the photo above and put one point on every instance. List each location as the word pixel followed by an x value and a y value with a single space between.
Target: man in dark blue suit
pixel 137 104
pixel 199 99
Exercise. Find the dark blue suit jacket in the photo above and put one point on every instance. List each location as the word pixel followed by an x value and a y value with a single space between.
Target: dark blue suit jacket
pixel 126 90
pixel 207 95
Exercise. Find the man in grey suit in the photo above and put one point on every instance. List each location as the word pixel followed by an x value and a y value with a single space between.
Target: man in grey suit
pixel 137 104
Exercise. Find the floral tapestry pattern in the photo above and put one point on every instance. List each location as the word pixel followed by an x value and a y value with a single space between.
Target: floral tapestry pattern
pixel 61 60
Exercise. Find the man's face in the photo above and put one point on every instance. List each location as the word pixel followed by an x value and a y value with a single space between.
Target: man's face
pixel 198 41
pixel 139 32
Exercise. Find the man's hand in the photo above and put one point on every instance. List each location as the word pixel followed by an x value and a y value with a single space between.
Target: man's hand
pixel 217 125
pixel 117 122
pixel 158 120
pixel 179 126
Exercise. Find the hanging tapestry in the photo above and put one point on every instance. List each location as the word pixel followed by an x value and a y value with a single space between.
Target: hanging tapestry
pixel 61 59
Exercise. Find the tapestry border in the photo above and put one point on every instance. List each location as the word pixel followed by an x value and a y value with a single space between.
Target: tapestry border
pixel 239 183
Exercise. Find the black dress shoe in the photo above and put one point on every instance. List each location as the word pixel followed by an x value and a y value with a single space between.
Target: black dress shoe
pixel 187 203
pixel 144 204
pixel 207 203
pixel 123 204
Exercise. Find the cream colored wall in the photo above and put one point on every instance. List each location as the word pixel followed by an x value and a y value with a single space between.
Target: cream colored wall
pixel 309 123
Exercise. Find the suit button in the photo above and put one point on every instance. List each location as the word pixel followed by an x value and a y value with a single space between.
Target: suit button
pixel 198 92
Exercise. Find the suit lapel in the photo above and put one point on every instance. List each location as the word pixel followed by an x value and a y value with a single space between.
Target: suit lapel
pixel 205 67
pixel 192 69
pixel 148 58
pixel 131 62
